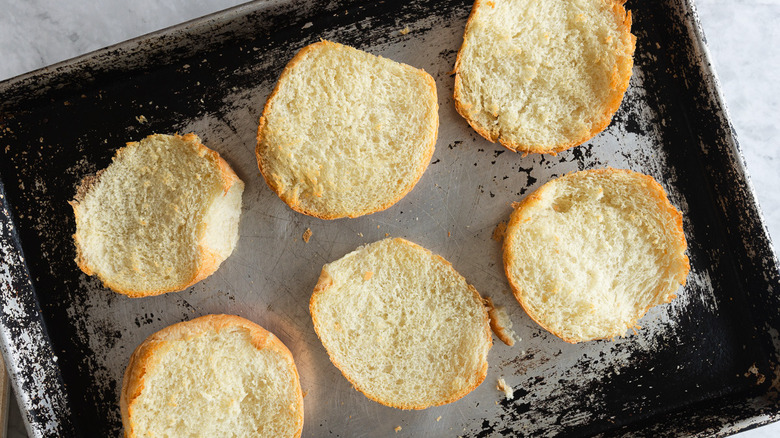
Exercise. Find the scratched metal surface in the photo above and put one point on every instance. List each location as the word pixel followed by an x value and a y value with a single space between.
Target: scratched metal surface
pixel 702 365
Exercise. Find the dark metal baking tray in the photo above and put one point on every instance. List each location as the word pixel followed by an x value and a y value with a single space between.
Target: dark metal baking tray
pixel 706 364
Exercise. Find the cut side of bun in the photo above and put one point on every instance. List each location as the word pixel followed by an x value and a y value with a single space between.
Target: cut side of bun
pixel 589 253
pixel 543 76
pixel 163 216
pixel 346 133
pixel 214 376
pixel 402 325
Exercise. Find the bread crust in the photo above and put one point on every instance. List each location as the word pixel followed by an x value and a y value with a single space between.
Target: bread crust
pixel 503 333
pixel 325 282
pixel 142 359
pixel 659 197
pixel 620 80
pixel 292 200
pixel 209 260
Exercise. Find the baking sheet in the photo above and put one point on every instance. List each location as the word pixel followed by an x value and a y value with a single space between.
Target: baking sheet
pixel 704 364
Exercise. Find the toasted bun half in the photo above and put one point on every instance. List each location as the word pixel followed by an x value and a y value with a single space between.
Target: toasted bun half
pixel 214 376
pixel 346 133
pixel 402 325
pixel 543 75
pixel 163 216
pixel 589 253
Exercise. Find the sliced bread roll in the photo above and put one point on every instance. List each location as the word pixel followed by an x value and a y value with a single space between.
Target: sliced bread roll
pixel 402 325
pixel 589 253
pixel 214 376
pixel 346 133
pixel 543 75
pixel 160 218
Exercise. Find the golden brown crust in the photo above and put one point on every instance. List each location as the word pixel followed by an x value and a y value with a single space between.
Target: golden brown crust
pixel 325 282
pixel 209 259
pixel 500 331
pixel 656 192
pixel 620 80
pixel 143 359
pixel 292 200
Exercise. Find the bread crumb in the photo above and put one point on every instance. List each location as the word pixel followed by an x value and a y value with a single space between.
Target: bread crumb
pixel 509 393
pixel 404 31
pixel 360 234
pixel 141 119
pixel 367 276
pixel 438 418
pixel 307 235
pixel 449 234
pixel 387 234
pixel 754 371
pixel 500 323
pixel 397 429
pixel 500 231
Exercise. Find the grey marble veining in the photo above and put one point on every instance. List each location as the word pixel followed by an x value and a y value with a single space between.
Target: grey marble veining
pixel 37 33
pixel 742 35
pixel 743 39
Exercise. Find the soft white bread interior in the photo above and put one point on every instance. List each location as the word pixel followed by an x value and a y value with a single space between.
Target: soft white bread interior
pixel 402 325
pixel 589 253
pixel 346 133
pixel 161 217
pixel 214 376
pixel 543 75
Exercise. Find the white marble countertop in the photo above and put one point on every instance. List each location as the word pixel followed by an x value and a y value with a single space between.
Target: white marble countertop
pixel 742 35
